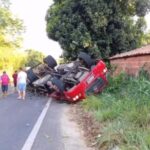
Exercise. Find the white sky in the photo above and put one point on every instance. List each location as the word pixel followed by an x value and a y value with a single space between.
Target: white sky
pixel 33 12
pixel 148 21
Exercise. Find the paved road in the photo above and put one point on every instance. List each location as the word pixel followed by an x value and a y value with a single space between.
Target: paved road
pixel 49 136
pixel 18 119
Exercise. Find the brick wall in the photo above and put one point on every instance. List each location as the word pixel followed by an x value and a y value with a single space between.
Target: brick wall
pixel 131 65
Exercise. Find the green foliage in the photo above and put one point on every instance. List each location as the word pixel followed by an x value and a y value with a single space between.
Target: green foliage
pixel 5 3
pixel 33 57
pixel 141 7
pixel 146 38
pixel 100 27
pixel 124 110
pixel 11 29
pixel 11 60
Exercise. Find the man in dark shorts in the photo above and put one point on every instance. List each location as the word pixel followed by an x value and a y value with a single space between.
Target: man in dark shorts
pixel 4 83
pixel 15 80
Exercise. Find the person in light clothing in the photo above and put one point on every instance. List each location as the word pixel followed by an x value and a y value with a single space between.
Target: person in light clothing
pixel 21 84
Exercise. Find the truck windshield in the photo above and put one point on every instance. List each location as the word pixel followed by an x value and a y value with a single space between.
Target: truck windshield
pixel 96 86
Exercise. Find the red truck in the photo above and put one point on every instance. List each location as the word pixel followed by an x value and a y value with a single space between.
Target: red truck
pixel 75 80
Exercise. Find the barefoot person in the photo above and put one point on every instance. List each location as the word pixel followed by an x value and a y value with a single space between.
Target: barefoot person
pixel 4 83
pixel 21 84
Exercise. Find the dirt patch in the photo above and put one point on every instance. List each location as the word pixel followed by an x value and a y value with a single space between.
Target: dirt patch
pixel 91 128
pixel 72 134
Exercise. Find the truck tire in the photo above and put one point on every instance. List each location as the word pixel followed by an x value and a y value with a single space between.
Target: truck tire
pixel 31 76
pixel 58 83
pixel 50 61
pixel 86 59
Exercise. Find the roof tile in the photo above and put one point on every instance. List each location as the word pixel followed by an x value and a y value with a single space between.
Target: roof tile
pixel 139 51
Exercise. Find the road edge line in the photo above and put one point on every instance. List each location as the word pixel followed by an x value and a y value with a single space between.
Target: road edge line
pixel 31 138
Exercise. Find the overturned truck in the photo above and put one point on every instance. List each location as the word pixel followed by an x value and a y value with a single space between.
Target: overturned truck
pixel 72 81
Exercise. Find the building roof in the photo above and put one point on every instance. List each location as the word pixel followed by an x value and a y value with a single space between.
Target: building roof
pixel 145 50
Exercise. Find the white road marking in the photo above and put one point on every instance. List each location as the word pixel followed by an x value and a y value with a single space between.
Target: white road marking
pixel 30 140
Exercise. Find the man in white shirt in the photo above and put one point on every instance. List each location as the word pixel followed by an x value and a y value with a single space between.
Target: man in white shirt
pixel 21 83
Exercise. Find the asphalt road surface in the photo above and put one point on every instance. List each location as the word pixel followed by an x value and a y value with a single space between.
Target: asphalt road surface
pixel 37 123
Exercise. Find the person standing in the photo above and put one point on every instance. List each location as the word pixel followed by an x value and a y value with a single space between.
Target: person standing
pixel 4 83
pixel 21 84
pixel 14 76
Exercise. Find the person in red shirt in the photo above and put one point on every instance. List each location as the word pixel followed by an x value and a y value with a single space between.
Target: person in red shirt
pixel 4 83
pixel 15 80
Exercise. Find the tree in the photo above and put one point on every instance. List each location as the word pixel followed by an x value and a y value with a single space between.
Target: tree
pixel 146 38
pixel 33 57
pixel 10 38
pixel 5 3
pixel 11 27
pixel 100 27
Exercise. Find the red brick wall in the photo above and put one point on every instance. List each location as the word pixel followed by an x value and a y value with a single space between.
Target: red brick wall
pixel 131 65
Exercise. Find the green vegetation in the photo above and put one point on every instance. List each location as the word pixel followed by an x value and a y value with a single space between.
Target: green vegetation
pixel 100 27
pixel 146 39
pixel 33 57
pixel 11 29
pixel 124 112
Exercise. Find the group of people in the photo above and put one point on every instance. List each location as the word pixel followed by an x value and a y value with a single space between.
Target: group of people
pixel 19 81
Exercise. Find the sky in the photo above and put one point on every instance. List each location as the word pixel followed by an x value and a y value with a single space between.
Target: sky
pixel 33 12
pixel 147 18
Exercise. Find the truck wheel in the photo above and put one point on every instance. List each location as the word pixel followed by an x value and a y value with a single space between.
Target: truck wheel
pixel 58 83
pixel 31 76
pixel 50 61
pixel 86 59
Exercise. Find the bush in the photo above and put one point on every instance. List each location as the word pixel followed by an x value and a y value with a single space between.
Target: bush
pixel 124 109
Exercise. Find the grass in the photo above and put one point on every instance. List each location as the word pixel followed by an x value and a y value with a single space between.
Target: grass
pixel 124 110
